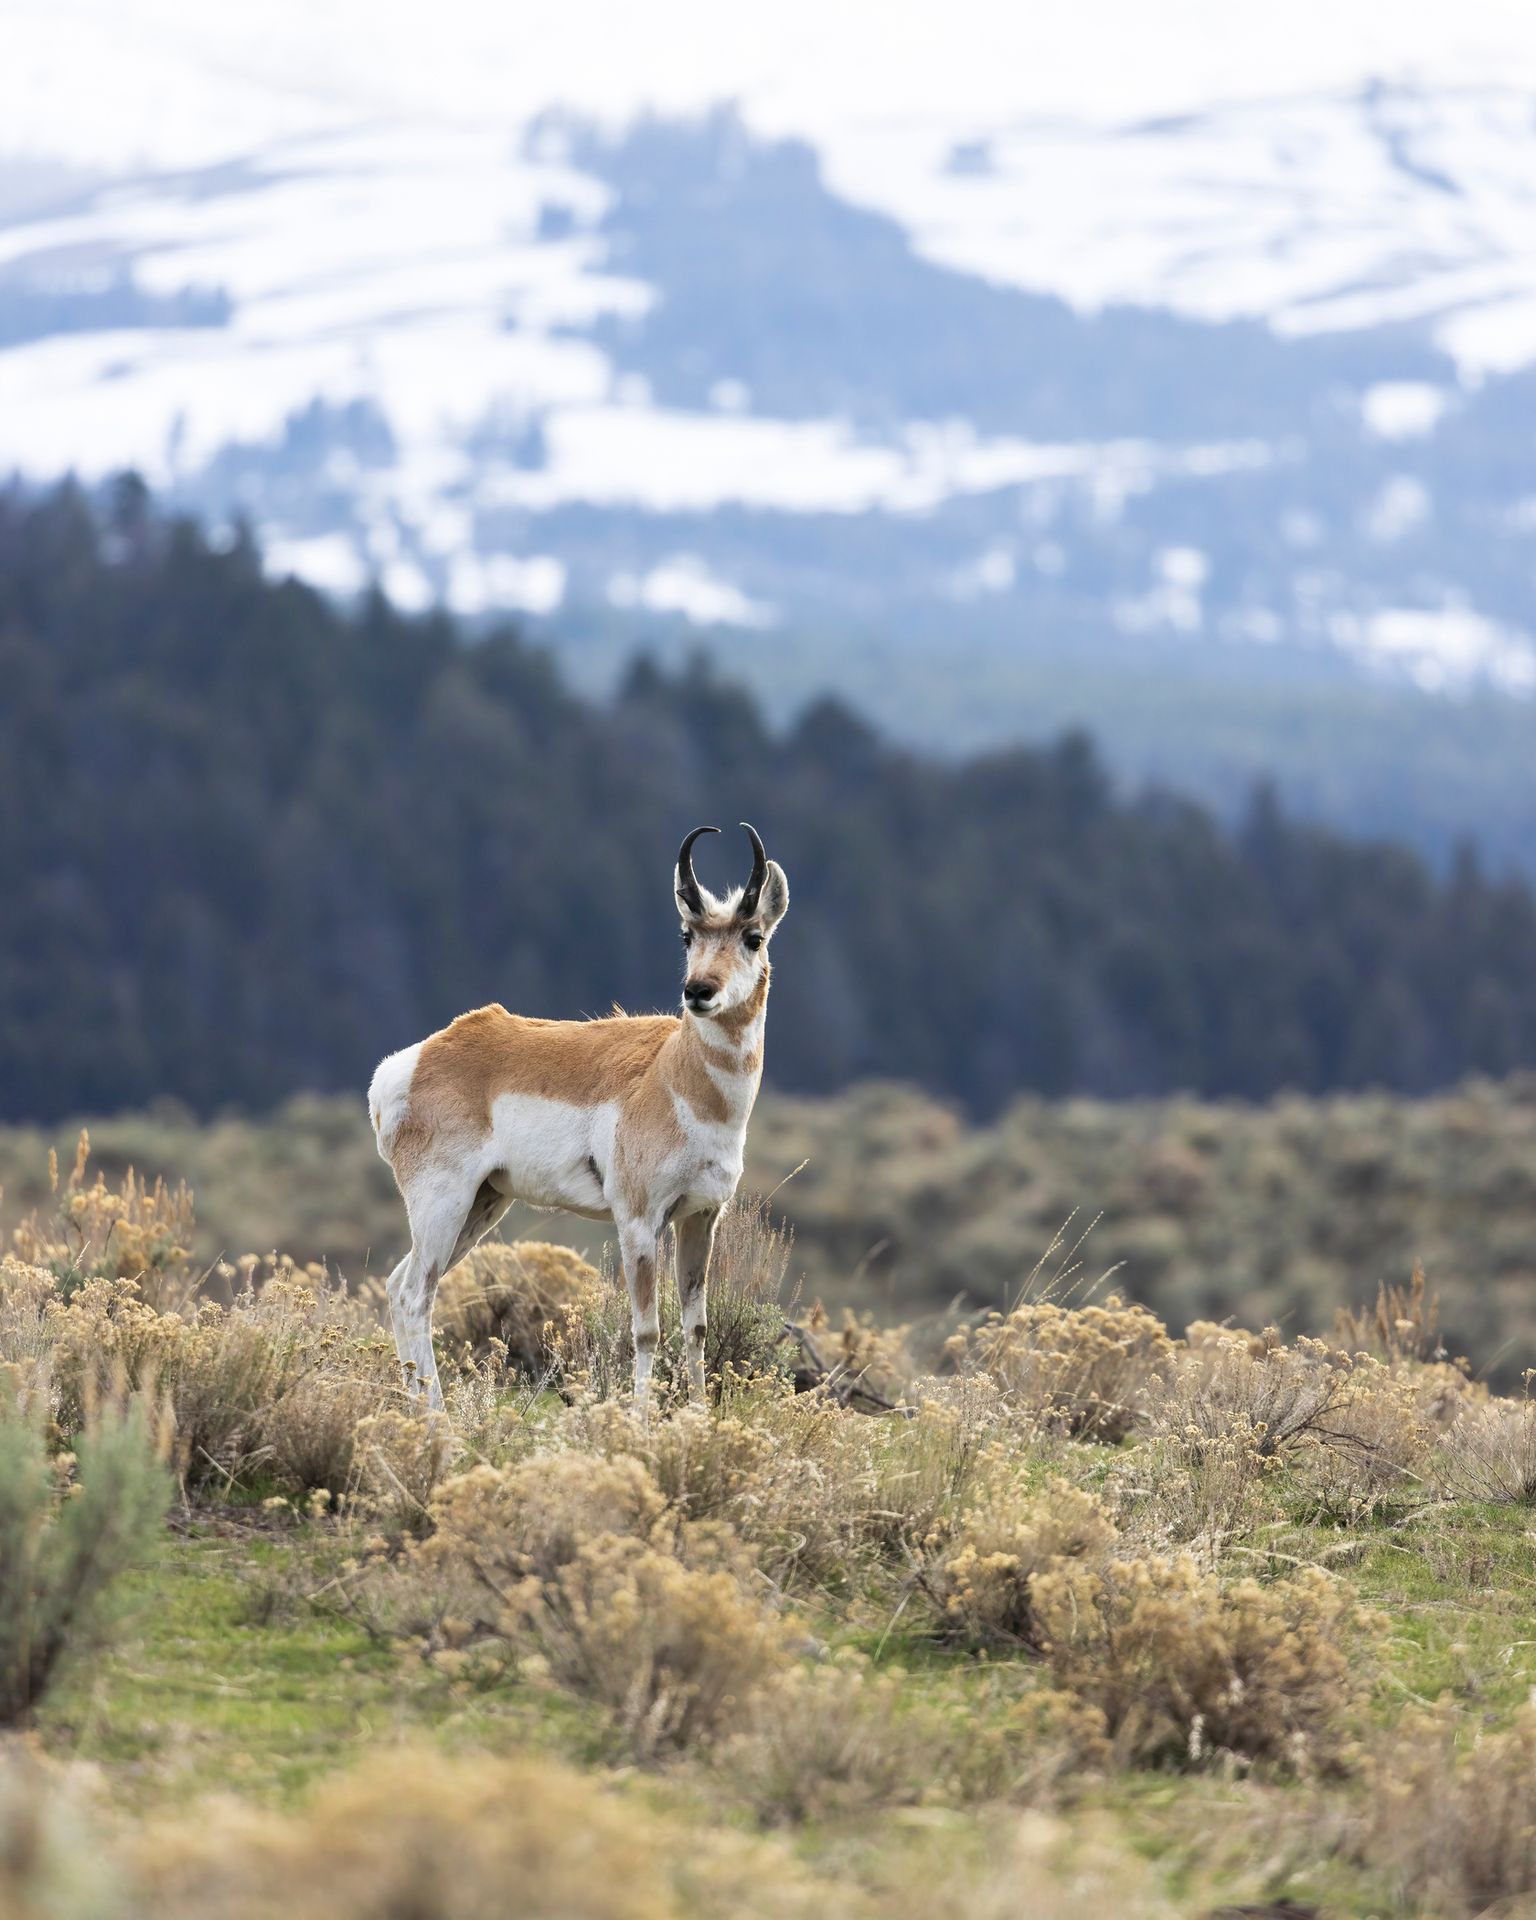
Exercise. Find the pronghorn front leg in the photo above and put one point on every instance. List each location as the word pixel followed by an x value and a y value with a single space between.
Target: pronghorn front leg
pixel 695 1243
pixel 637 1250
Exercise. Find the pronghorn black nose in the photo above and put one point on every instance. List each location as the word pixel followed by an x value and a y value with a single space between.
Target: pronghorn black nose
pixel 699 993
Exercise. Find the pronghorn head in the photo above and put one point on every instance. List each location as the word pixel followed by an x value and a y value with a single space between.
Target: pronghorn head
pixel 725 941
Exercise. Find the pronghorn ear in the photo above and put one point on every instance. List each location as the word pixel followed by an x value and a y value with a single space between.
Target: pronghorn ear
pixel 773 901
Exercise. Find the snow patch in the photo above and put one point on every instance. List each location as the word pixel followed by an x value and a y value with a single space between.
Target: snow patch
pixel 329 561
pixel 504 583
pixel 684 584
pixel 1403 409
pixel 1443 650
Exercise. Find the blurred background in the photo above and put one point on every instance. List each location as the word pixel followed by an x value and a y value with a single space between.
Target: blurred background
pixel 1069 477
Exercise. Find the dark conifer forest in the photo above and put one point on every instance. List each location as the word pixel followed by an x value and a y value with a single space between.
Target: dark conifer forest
pixel 250 842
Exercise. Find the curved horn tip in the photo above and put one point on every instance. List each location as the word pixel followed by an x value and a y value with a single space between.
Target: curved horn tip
pixel 754 886
pixel 687 885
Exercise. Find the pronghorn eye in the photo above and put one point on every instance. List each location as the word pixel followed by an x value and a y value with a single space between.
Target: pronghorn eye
pixel 752 941
pixel 687 936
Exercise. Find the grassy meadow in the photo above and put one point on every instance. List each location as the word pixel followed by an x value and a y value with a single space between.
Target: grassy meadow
pixel 1059 1607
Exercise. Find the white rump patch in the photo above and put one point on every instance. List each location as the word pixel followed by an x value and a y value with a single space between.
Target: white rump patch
pixel 389 1093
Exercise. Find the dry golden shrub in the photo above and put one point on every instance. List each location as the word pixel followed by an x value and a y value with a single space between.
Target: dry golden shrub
pixel 104 1330
pixel 676 1654
pixel 412 1833
pixel 309 1434
pixel 1212 1333
pixel 51 1866
pixel 271 1385
pixel 398 1460
pixel 131 1231
pixel 1377 1448
pixel 1086 1370
pixel 824 1499
pixel 1352 1428
pixel 1442 1389
pixel 835 1740
pixel 507 1525
pixel 1225 1380
pixel 27 1294
pixel 508 1302
pixel 582 1563
pixel 863 1363
pixel 1454 1835
pixel 1183 1667
pixel 792 1474
pixel 1185 1486
pixel 1402 1330
pixel 1403 1324
pixel 979 1580
pixel 963 1440
pixel 709 1463
pixel 1490 1453
pixel 274 1383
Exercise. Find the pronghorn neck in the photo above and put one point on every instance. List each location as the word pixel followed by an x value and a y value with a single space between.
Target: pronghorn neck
pixel 730 1042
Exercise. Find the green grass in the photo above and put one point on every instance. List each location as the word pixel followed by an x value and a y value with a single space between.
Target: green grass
pixel 233 1678
pixel 1459 1586
pixel 199 1693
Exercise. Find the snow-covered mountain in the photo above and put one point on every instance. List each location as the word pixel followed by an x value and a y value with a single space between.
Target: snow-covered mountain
pixel 1099 343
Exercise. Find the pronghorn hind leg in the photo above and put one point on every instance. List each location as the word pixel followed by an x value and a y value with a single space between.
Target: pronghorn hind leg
pixel 695 1243
pixel 438 1215
pixel 637 1250
pixel 399 1319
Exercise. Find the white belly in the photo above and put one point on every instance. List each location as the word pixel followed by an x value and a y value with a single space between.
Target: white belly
pixel 550 1154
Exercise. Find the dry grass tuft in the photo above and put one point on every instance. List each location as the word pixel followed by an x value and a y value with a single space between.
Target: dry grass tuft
pixel 1490 1453
pixel 398 1460
pixel 834 1741
pixel 1187 1486
pixel 1403 1325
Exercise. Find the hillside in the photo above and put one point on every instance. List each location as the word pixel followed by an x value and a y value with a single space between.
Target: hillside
pixel 1201 421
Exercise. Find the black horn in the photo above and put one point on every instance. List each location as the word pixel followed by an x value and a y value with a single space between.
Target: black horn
pixel 687 886
pixel 759 873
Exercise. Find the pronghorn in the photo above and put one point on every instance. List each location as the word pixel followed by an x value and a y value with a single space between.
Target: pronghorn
pixel 637 1119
